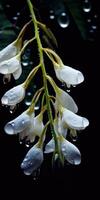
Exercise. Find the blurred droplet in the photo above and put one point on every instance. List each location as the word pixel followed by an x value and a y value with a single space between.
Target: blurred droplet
pixel 8 6
pixel 18 13
pixel 68 90
pixel 28 98
pixel 51 15
pixel 89 20
pixel 36 175
pixel 94 27
pixel 74 86
pixel 24 63
pixel 20 142
pixel 63 20
pixel 37 107
pixel 86 6
pixel 74 138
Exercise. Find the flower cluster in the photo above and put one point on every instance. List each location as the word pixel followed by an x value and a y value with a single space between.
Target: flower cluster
pixel 57 113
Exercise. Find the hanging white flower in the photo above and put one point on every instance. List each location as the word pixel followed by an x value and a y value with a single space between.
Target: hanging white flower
pixel 64 99
pixel 32 160
pixel 11 66
pixel 59 127
pixel 68 75
pixel 19 124
pixel 70 151
pixel 36 128
pixel 8 52
pixel 73 120
pixel 14 95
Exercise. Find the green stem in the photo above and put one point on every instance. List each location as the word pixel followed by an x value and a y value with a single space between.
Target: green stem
pixel 40 49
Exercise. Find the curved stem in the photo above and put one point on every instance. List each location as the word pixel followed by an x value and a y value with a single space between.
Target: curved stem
pixel 40 49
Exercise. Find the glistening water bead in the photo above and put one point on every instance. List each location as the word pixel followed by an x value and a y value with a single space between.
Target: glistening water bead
pixel 86 6
pixel 52 15
pixel 63 20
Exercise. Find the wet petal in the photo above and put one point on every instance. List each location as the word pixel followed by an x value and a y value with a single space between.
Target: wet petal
pixel 10 66
pixel 38 125
pixel 69 75
pixel 32 160
pixel 18 125
pixel 14 96
pixel 70 152
pixel 50 146
pixel 17 73
pixel 59 127
pixel 8 52
pixel 74 121
pixel 66 100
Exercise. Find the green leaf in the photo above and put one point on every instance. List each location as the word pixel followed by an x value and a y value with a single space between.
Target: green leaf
pixel 75 8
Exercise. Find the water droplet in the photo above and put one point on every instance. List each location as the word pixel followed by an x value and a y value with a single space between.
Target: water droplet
pixel 27 145
pixel 12 109
pixel 28 98
pixel 36 175
pixel 25 63
pixel 7 6
pixel 74 138
pixel 63 20
pixel 18 13
pixel 9 128
pixel 52 15
pixel 36 107
pixel 89 20
pixel 20 142
pixel 86 6
pixel 68 90
pixel 15 18
pixel 74 86
pixel 94 27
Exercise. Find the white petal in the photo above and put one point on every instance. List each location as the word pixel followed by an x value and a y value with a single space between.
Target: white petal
pixel 10 66
pixel 18 125
pixel 71 152
pixel 38 125
pixel 32 160
pixel 74 121
pixel 66 100
pixel 8 52
pixel 50 146
pixel 17 73
pixel 59 128
pixel 13 96
pixel 69 75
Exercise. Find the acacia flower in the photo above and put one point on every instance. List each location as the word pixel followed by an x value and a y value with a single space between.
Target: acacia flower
pixel 69 151
pixel 19 124
pixel 73 120
pixel 14 95
pixel 32 160
pixel 11 66
pixel 64 99
pixel 35 129
pixel 8 52
pixel 68 75
pixel 59 127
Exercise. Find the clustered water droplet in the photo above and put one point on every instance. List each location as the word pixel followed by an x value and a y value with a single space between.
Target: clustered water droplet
pixel 63 20
pixel 86 6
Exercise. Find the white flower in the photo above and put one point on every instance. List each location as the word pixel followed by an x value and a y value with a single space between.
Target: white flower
pixel 19 124
pixel 50 146
pixel 64 99
pixel 36 128
pixel 14 95
pixel 74 121
pixel 70 151
pixel 59 127
pixel 69 75
pixel 32 160
pixel 11 66
pixel 8 52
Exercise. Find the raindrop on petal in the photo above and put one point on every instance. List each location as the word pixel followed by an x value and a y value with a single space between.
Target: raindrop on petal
pixel 63 20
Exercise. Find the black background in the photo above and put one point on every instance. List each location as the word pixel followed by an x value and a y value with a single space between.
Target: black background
pixel 70 181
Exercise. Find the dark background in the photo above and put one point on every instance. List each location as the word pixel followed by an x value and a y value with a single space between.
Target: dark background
pixel 77 181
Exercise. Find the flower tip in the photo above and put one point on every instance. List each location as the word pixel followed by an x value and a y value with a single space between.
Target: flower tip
pixel 4 100
pixel 80 78
pixel 9 129
pixel 85 122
